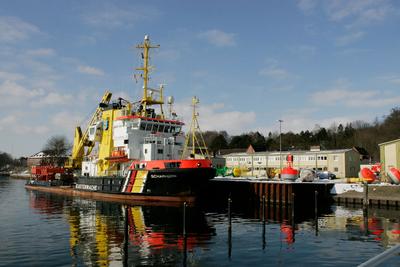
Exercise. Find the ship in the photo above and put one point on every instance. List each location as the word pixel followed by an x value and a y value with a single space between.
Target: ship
pixel 134 150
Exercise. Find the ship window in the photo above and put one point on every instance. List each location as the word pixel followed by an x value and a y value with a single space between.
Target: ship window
pixel 160 151
pixel 172 129
pixel 172 165
pixel 161 128
pixel 142 126
pixel 149 126
pixel 135 125
pixel 126 141
pixel 167 128
pixel 178 129
pixel 145 151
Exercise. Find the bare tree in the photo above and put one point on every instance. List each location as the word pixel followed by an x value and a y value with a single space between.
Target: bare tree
pixel 57 148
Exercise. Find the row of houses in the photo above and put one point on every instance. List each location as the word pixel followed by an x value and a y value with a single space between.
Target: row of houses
pixel 341 162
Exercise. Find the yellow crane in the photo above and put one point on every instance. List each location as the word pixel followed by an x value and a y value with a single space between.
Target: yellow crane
pixel 81 140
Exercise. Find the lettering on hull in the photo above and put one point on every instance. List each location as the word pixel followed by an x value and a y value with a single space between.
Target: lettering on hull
pixel 160 176
pixel 86 187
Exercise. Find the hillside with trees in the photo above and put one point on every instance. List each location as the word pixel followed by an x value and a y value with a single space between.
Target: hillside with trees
pixel 356 134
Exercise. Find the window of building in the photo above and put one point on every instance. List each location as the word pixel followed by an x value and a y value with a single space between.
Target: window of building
pixel 336 169
pixel 335 158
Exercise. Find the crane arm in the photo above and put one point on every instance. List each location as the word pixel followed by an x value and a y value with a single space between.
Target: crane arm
pixel 81 140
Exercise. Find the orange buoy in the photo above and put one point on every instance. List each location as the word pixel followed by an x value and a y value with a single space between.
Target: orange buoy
pixel 367 175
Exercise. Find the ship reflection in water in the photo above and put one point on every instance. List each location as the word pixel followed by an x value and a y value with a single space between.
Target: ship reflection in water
pixel 104 234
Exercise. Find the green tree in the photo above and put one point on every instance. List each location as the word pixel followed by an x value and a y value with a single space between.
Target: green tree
pixel 218 143
pixel 5 160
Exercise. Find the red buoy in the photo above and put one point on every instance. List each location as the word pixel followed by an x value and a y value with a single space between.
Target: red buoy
pixel 367 175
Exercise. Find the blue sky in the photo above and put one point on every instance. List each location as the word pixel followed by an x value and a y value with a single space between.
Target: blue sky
pixel 251 63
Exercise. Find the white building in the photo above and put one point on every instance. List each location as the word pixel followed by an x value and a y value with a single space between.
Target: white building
pixel 342 162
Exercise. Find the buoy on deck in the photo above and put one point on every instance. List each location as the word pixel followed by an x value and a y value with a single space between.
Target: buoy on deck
pixel 367 175
pixel 236 172
pixel 394 175
pixel 289 173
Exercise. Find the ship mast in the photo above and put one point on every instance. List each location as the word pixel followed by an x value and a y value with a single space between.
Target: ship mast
pixel 149 98
pixel 197 141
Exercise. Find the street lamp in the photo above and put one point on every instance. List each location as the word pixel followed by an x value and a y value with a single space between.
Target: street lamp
pixel 280 145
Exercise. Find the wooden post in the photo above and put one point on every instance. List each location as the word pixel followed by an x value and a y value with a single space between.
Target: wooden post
pixel 366 200
pixel 126 237
pixel 229 229
pixel 316 211
pixel 263 208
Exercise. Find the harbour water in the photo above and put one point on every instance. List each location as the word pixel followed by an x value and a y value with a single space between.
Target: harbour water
pixel 41 229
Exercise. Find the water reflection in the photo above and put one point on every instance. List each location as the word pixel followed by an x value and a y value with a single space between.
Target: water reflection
pixel 99 231
pixel 104 234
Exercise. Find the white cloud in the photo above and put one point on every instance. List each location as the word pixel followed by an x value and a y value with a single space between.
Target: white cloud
pixel 42 52
pixel 359 12
pixel 13 29
pixel 304 50
pixel 90 70
pixel 307 5
pixel 213 117
pixel 11 76
pixel 66 120
pixel 16 124
pixel 275 73
pixel 349 38
pixel 53 98
pixel 394 79
pixel 13 89
pixel 218 38
pixel 112 16
pixel 354 98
